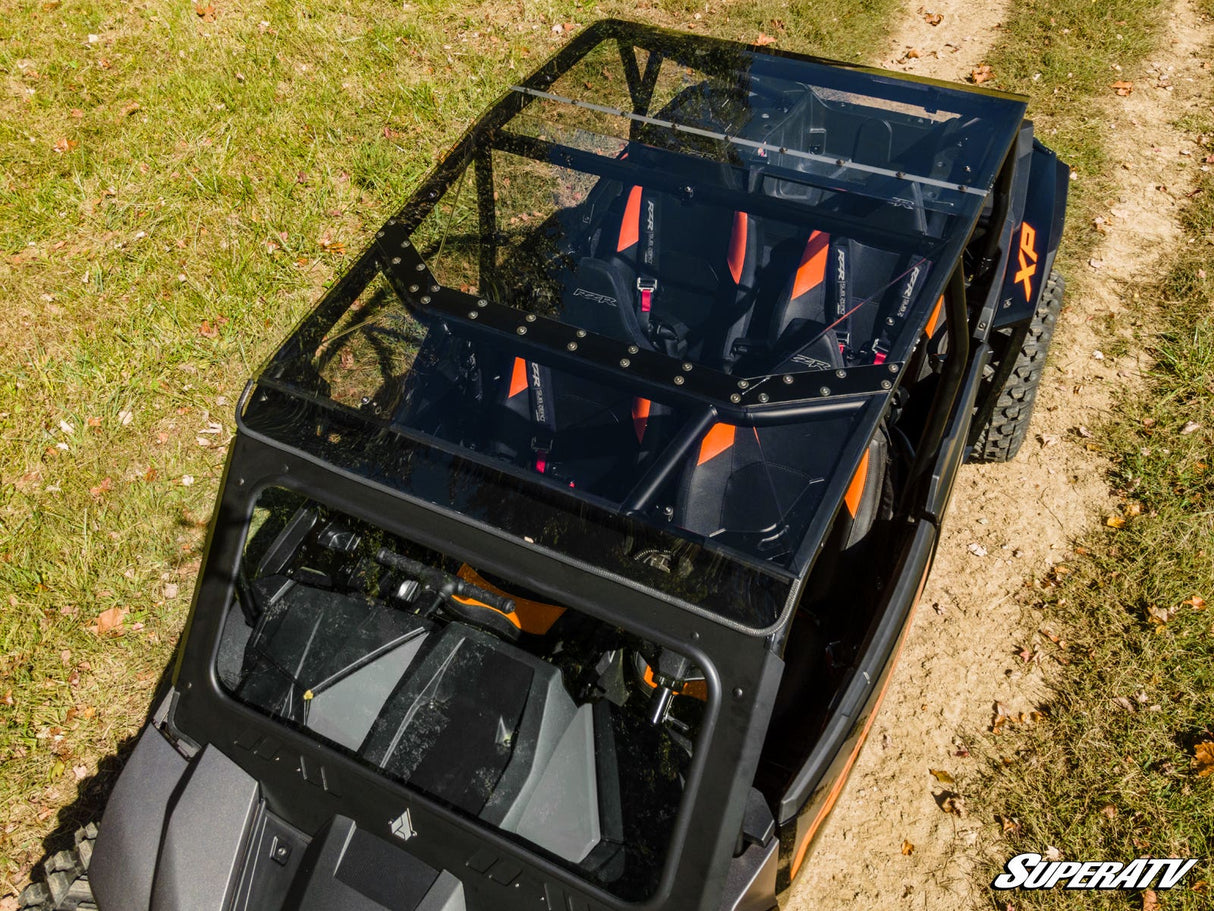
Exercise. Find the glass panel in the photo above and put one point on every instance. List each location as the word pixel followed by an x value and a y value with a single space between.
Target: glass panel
pixel 549 725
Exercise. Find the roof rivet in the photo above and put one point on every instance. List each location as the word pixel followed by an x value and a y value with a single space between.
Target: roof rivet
pixel 886 384
pixel 737 692
pixel 678 381
pixel 763 397
pixel 530 317
pixel 474 314
pixel 841 374
pixel 482 303
pixel 687 365
pixel 893 368
pixel 425 298
pixel 581 333
pixel 624 362
pixel 787 379
pixel 633 349
pixel 521 330
pixel 889 321
pixel 825 390
pixel 572 346
pixel 743 384
pixel 420 267
pixel 413 289
pixel 405 245
pixel 396 260
pixel 379 233
pixel 434 289
pixel 735 398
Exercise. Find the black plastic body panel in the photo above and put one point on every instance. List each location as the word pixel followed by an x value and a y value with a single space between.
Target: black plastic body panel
pixel 124 860
pixel 956 439
pixel 1034 237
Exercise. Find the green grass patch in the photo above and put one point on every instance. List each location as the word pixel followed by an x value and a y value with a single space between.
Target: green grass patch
pixel 179 183
pixel 1111 772
pixel 1064 54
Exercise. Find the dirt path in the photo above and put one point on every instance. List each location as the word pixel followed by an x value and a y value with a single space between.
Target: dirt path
pixel 1008 523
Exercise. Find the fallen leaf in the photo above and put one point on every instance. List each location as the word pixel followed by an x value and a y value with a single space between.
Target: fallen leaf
pixel 907 848
pixel 187 480
pixel 125 417
pixel 981 74
pixel 206 330
pixel 1011 825
pixel 1052 854
pixel 1203 759
pixel 170 590
pixel 1197 602
pixel 65 145
pixel 1109 811
pixel 104 487
pixel 1160 615
pixel 1115 521
pixel 912 54
pixel 942 776
pixel 109 621
pixel 1150 901
pixel 129 108
pixel 953 803
pixel 764 39
pixel 1122 88
pixel 205 13
pixel 933 18
pixel 1190 427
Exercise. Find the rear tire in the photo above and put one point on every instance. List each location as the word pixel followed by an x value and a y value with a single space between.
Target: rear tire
pixel 67 882
pixel 1004 433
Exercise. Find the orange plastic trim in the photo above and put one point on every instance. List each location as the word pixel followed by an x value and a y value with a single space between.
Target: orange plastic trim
pixel 534 617
pixel 640 416
pixel 518 379
pixel 737 246
pixel 630 228
pixel 716 441
pixel 696 689
pixel 812 270
pixel 855 489
pixel 933 321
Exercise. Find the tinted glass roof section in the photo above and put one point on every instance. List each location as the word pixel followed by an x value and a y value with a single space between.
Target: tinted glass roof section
pixel 670 278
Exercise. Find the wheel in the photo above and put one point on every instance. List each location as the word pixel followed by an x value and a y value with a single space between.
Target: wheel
pixel 1001 437
pixel 67 882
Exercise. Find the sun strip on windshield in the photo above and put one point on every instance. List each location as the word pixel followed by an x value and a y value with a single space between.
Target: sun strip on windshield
pixel 752 144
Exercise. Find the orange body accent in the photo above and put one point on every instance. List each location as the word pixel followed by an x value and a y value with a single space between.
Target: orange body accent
pixel 716 441
pixel 518 379
pixel 696 689
pixel 812 270
pixel 855 489
pixel 933 321
pixel 530 616
pixel 640 416
pixel 630 227
pixel 737 246
pixel 1027 258
pixel 837 787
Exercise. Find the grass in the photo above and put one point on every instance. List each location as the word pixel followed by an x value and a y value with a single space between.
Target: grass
pixel 178 185
pixel 1110 772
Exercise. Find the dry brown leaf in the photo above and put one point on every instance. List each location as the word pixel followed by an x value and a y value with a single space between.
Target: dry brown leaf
pixel 1011 825
pixel 206 330
pixel 933 18
pixel 64 145
pixel 1160 615
pixel 1203 759
pixel 942 776
pixel 953 804
pixel 1150 901
pixel 981 74
pixel 912 53
pixel 104 487
pixel 1109 811
pixel 1115 521
pixel 109 621
pixel 1197 602
pixel 907 848
pixel 129 108
pixel 1122 88
pixel 205 13
pixel 764 39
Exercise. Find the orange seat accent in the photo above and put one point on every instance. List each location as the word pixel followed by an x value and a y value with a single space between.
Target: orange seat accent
pixel 737 246
pixel 630 228
pixel 856 488
pixel 933 321
pixel 716 441
pixel 518 379
pixel 640 416
pixel 812 270
pixel 534 617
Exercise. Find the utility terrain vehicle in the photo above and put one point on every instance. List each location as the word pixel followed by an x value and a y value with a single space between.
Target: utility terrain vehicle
pixel 565 548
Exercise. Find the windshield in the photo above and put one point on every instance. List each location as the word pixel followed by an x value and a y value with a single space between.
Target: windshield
pixel 549 725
